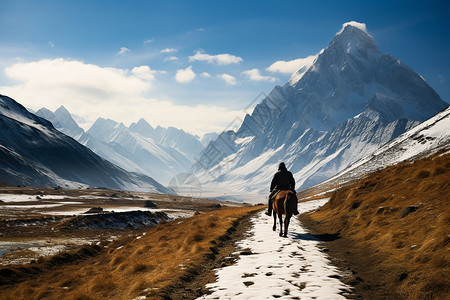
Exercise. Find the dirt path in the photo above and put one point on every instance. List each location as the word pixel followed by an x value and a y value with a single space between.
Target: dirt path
pixel 270 267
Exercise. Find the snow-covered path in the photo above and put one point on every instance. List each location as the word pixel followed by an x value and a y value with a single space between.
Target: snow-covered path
pixel 279 268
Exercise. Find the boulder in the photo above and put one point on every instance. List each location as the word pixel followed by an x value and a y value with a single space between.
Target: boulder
pixel 409 209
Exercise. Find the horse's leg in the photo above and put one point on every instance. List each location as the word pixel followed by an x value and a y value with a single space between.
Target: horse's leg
pixel 274 228
pixel 280 217
pixel 286 224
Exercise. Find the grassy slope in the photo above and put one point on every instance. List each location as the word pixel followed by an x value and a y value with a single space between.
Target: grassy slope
pixel 165 256
pixel 412 251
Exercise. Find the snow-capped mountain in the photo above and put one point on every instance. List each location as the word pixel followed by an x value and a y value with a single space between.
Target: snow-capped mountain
pixel 348 103
pixel 171 137
pixel 207 138
pixel 161 153
pixel 34 153
pixel 426 139
pixel 156 160
pixel 62 120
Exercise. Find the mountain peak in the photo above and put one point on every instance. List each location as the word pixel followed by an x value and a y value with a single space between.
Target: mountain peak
pixel 44 110
pixel 143 122
pixel 102 122
pixel 354 24
pixel 142 127
pixel 353 36
pixel 62 111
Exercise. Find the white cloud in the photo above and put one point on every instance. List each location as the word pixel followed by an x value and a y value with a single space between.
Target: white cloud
pixel 91 91
pixel 254 75
pixel 171 58
pixel 185 75
pixel 51 44
pixel 168 50
pixel 220 59
pixel 230 80
pixel 205 75
pixel 144 72
pixel 123 50
pixel 52 81
pixel 149 41
pixel 291 66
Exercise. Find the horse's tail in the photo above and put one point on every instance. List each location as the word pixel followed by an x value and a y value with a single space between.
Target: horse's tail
pixel 286 206
pixel 289 202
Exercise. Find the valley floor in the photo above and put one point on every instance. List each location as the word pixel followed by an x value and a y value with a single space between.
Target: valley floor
pixel 44 222
pixel 218 252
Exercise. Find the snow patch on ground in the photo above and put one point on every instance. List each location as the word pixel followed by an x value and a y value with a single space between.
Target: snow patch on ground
pixel 17 198
pixel 40 248
pixel 23 207
pixel 172 213
pixel 281 268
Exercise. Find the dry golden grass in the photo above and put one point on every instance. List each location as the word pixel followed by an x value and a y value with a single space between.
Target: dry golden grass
pixel 167 254
pixel 415 248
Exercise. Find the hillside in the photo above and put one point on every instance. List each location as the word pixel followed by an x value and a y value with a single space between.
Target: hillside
pixel 394 226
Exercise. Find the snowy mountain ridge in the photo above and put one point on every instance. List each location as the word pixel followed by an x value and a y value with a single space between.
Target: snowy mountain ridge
pixel 348 103
pixel 161 153
pixel 34 153
pixel 428 138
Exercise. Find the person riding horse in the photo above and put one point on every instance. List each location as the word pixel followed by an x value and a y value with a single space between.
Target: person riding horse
pixel 282 180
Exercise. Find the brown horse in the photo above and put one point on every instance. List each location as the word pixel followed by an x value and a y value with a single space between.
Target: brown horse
pixel 285 203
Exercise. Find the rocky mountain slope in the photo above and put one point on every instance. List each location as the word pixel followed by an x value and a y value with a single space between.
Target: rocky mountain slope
pixel 34 153
pixel 426 139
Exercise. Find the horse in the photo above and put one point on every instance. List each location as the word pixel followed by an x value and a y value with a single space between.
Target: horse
pixel 285 203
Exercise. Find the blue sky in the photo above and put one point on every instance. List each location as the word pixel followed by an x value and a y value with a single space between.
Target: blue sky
pixel 191 64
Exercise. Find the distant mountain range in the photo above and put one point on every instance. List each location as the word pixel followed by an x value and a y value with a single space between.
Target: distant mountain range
pixel 34 153
pixel 350 101
pixel 161 153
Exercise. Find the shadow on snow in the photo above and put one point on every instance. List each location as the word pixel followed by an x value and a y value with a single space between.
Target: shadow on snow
pixel 326 237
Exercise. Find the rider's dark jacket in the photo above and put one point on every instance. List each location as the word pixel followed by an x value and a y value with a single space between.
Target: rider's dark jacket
pixel 283 180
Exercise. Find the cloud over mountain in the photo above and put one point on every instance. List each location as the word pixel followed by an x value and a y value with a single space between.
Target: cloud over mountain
pixel 94 91
pixel 291 66
pixel 255 75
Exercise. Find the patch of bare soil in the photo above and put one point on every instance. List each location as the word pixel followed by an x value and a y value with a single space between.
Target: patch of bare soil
pixel 355 262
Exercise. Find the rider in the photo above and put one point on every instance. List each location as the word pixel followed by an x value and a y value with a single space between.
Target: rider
pixel 282 180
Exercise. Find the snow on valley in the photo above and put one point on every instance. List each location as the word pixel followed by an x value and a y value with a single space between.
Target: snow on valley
pixel 279 268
